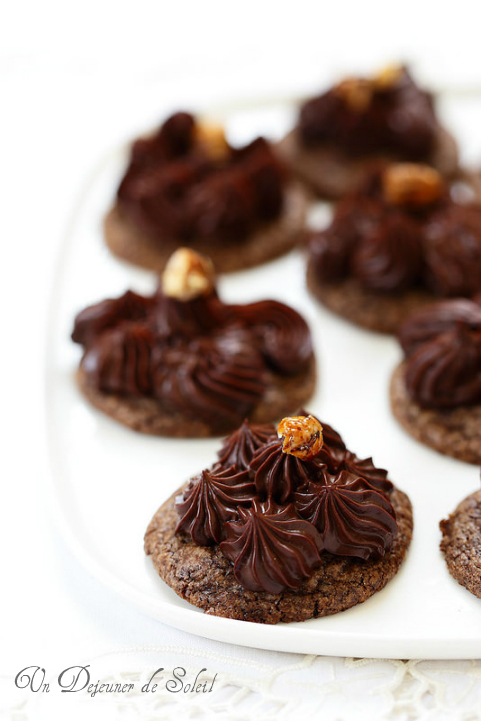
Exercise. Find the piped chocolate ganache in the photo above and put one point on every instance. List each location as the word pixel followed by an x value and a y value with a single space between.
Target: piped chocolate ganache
pixel 395 245
pixel 281 527
pixel 181 362
pixel 359 121
pixel 436 391
pixel 188 182
pixel 279 506
pixel 387 112
pixel 185 185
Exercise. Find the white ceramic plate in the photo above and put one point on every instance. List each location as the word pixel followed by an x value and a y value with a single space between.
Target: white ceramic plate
pixel 108 481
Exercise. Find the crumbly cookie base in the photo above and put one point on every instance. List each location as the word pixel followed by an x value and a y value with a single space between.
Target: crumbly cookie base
pixel 461 543
pixel 455 432
pixel 204 577
pixel 379 312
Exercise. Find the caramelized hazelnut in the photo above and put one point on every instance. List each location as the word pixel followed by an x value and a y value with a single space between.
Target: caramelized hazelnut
pixel 187 275
pixel 388 77
pixel 356 93
pixel 302 436
pixel 210 137
pixel 411 184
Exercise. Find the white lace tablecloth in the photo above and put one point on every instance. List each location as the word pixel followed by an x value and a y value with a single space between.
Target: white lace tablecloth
pixel 260 685
pixel 76 79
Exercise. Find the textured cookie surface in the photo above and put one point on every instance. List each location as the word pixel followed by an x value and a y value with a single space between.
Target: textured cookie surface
pixel 269 241
pixel 376 311
pixel 330 173
pixel 204 577
pixel 283 396
pixel 461 543
pixel 455 432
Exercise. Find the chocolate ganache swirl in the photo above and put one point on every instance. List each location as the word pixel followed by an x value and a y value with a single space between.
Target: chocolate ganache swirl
pixel 283 335
pixel 452 249
pixel 177 186
pixel 365 468
pixel 275 512
pixel 352 517
pixel 442 345
pixel 390 248
pixel 390 257
pixel 209 501
pixel 239 448
pixel 271 547
pixel 278 474
pixel 200 357
pixel 362 116
pixel 337 457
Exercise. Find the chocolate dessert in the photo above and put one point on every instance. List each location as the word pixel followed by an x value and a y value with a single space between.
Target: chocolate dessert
pixel 395 245
pixel 436 390
pixel 186 186
pixel 461 543
pixel 361 122
pixel 284 527
pixel 183 363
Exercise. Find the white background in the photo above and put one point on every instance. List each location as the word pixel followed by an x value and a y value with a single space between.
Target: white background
pixel 75 79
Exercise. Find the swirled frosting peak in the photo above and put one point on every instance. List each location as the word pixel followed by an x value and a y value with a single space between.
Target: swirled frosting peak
pixel 278 474
pixel 271 547
pixel 442 345
pixel 365 468
pixel 239 448
pixel 352 517
pixel 209 501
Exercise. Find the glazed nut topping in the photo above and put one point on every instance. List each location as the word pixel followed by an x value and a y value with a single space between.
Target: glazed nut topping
pixel 388 77
pixel 210 137
pixel 356 93
pixel 188 275
pixel 302 436
pixel 412 185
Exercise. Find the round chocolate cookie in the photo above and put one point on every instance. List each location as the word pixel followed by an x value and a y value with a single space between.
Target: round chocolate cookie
pixel 268 241
pixel 461 543
pixel 147 415
pixel 203 576
pixel 331 173
pixel 379 312
pixel 455 432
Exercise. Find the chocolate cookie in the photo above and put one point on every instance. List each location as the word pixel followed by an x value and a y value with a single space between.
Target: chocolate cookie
pixel 331 173
pixel 397 244
pixel 183 363
pixel 454 432
pixel 377 312
pixel 186 186
pixel 285 526
pixel 268 241
pixel 461 543
pixel 203 576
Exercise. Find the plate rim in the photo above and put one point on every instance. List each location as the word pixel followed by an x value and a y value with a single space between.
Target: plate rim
pixel 275 637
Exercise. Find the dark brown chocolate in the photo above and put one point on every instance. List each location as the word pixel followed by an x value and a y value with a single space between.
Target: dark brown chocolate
pixel 362 117
pixel 442 345
pixel 200 357
pixel 391 249
pixel 174 188
pixel 274 544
